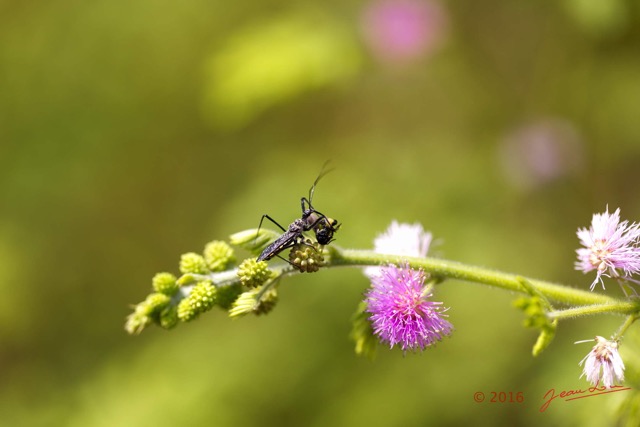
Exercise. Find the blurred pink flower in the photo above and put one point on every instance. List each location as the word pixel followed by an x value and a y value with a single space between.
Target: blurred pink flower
pixel 400 31
pixel 541 152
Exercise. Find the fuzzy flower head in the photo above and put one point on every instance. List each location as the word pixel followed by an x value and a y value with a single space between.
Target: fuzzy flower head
pixel 603 363
pixel 609 246
pixel 401 312
pixel 402 31
pixel 401 239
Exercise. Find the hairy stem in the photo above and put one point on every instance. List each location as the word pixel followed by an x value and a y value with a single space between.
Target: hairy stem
pixel 444 269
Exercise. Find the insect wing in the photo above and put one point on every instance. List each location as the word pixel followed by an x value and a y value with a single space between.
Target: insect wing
pixel 281 243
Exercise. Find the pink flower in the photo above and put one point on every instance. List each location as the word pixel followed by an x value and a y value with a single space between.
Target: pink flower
pixel 609 246
pixel 603 362
pixel 400 31
pixel 541 152
pixel 401 312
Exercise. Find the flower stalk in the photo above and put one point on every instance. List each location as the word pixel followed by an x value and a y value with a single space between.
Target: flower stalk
pixel 627 323
pixel 444 269
pixel 621 307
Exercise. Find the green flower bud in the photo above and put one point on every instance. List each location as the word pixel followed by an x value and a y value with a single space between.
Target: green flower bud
pixel 535 308
pixel 307 256
pixel 267 302
pixel 201 298
pixel 186 279
pixel 547 334
pixel 245 303
pixel 185 311
pixel 248 302
pixel 136 322
pixel 253 273
pixel 146 312
pixel 218 255
pixel 165 283
pixel 193 263
pixel 153 304
pixel 362 333
pixel 169 317
pixel 226 295
pixel 254 240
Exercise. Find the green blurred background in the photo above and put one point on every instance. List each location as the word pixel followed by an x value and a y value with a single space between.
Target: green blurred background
pixel 132 132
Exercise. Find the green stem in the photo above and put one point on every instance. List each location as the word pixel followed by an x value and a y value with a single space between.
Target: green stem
pixel 454 270
pixel 630 319
pixel 619 308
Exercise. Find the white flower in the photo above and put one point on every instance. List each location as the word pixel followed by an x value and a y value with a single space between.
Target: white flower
pixel 401 239
pixel 608 246
pixel 603 362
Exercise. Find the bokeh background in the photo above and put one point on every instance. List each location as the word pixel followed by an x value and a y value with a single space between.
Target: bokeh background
pixel 132 132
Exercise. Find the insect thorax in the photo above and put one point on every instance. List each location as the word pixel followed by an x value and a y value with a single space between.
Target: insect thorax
pixel 297 226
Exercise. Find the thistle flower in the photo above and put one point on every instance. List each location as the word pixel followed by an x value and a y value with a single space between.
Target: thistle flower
pixel 401 239
pixel 401 312
pixel 609 246
pixel 603 355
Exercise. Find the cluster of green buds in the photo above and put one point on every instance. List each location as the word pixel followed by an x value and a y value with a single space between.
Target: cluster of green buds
pixel 535 307
pixel 213 278
pixel 306 256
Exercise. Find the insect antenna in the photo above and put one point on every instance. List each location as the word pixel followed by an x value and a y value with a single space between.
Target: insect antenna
pixel 322 173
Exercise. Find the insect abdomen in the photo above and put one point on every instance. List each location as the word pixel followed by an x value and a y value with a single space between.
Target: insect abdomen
pixel 276 247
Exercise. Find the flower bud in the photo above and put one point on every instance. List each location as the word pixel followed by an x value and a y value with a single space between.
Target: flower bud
pixel 193 263
pixel 186 279
pixel 185 311
pixel 169 317
pixel 154 303
pixel 253 240
pixel 165 283
pixel 201 298
pixel 218 255
pixel 306 256
pixel 253 273
pixel 248 302
pixel 136 322
pixel 267 302
pixel 362 333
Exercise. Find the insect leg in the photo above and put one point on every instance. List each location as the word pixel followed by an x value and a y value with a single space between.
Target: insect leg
pixel 304 208
pixel 260 225
pixel 272 220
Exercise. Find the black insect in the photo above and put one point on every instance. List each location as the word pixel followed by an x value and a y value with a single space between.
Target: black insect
pixel 323 226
